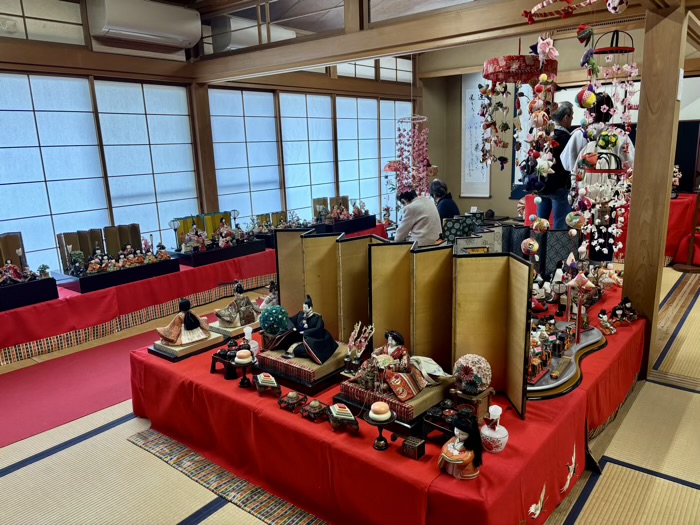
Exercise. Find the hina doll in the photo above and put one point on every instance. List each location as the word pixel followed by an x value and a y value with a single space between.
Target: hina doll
pixel 112 265
pixel 28 275
pixel 121 262
pixel 185 328
pixel 128 250
pixel 630 313
pixel 241 310
pixel 162 255
pixel 139 259
pixel 309 335
pixel 605 326
pixel 94 266
pixel 461 455
pixel 395 349
pixel 272 298
pixel 130 261
pixel 618 317
pixel 10 274
pixel 150 258
pixel 104 264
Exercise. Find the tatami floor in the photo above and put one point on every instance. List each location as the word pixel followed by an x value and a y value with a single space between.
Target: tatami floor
pixel 87 472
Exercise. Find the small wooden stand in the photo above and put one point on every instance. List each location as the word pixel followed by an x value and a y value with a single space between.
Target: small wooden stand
pixel 479 403
pixel 267 389
pixel 380 443
pixel 229 369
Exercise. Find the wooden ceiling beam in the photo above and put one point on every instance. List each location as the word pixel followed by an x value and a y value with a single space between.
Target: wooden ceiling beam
pixel 693 31
pixel 431 32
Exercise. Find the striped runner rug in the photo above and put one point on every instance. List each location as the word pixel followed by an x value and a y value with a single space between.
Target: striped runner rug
pixel 248 497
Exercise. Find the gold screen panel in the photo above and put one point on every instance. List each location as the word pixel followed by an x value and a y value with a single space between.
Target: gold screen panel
pixel 519 286
pixel 290 269
pixel 390 274
pixel 9 244
pixel 135 236
pixel 111 240
pixel 96 240
pixel 321 277
pixel 480 301
pixel 84 241
pixel 353 284
pixel 431 322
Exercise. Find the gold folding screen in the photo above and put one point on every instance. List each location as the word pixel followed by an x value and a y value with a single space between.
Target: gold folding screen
pixel 10 242
pixel 321 277
pixel 290 268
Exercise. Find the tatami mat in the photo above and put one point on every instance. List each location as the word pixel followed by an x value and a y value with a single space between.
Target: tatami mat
pixel 624 496
pixel 660 433
pixel 231 515
pixel 669 278
pixel 683 355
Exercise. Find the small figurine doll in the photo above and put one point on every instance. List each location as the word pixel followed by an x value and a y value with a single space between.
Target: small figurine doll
pixel 272 298
pixel 630 313
pixel 130 261
pixel 162 255
pixel 112 265
pixel 150 258
pixel 121 262
pixel 241 311
pixel 128 250
pixel 605 326
pixel 94 266
pixel 28 275
pixel 394 348
pixel 551 327
pixel 618 317
pixel 185 328
pixel 461 455
pixel 139 259
pixel 104 265
pixel 312 338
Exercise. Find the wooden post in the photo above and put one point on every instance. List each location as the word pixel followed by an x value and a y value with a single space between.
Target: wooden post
pixel 353 16
pixel 204 148
pixel 664 51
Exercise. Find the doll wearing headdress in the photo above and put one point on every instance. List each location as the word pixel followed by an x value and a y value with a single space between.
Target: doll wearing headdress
pixel 461 455
pixel 185 328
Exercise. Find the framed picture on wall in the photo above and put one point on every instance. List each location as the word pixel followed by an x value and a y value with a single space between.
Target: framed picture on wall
pixel 476 176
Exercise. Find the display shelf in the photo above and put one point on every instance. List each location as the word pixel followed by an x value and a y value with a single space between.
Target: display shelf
pixel 25 294
pixel 350 226
pixel 268 238
pixel 219 254
pixel 102 280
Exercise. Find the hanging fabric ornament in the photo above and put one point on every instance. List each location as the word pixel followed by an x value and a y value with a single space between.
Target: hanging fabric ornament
pixel 586 97
pixel 617 7
pixel 584 33
pixel 537 13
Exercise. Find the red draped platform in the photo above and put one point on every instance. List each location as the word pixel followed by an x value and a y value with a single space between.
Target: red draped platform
pixel 342 479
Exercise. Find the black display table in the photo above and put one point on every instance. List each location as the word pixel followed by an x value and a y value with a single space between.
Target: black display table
pixel 218 254
pixel 269 239
pixel 102 280
pixel 350 226
pixel 25 294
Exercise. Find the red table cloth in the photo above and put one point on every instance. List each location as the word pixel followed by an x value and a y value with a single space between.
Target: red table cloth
pixel 342 479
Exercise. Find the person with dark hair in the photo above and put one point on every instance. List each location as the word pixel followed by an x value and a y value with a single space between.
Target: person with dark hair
pixel 447 207
pixel 557 184
pixel 185 328
pixel 309 335
pixel 420 221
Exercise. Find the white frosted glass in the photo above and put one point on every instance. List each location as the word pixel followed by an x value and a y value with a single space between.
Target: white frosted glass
pixel 387 129
pixel 77 195
pixel 368 129
pixel 176 186
pixel 347 150
pixel 296 175
pixel 17 128
pixel 369 62
pixel 258 104
pixel 294 128
pixel 264 178
pixel 365 72
pixel 12 7
pixel 387 182
pixel 345 107
pixel 230 156
pixel 372 205
pixel 165 100
pixel 37 232
pixel 292 105
pixel 119 97
pixel 169 210
pixel 346 70
pixel 266 201
pixel 323 172
pixel 386 109
pixel 123 129
pixel 403 110
pixel 176 157
pixel 134 189
pixel 404 76
pixel 13 27
pixel 389 62
pixel 54 32
pixel 321 151
pixel 351 189
pixel 226 102
pixel 262 154
pixel 23 200
pixel 86 220
pixel 347 128
pixel 71 162
pixel 320 129
pixel 387 74
pixel 145 215
pixel 14 92
pixel 20 165
pixel 388 147
pixel 227 129
pixel 61 94
pixel 259 129
pixel 404 64
pixel 232 181
pixel 319 106
pixel 367 108
pixel 369 168
pixel 66 129
pixel 47 257
pixel 238 201
pixel 347 170
pixel 322 190
pixel 295 152
pixel 369 188
pixel 369 149
pixel 298 197
pixel 52 10
pixel 169 129
pixel 128 160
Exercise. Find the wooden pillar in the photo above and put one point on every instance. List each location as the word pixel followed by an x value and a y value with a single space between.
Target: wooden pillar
pixel 664 53
pixel 352 16
pixel 204 149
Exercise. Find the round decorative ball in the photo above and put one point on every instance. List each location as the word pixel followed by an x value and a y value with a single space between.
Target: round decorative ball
pixel 274 320
pixel 572 233
pixel 543 77
pixel 575 220
pixel 533 218
pixel 472 374
pixel 585 98
pixel 530 246
pixel 540 226
pixel 539 89
pixel 538 199
pixel 585 204
pixel 617 7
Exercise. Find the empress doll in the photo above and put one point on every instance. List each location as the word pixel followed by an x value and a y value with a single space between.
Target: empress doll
pixel 185 328
pixel 241 310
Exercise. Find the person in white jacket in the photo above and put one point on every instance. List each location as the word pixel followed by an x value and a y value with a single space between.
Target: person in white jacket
pixel 420 221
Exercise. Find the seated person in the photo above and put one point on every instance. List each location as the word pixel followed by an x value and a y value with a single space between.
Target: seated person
pixel 308 335
pixel 185 328
pixel 420 221
pixel 446 206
